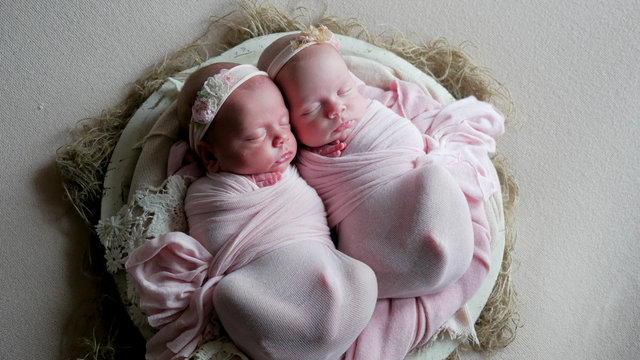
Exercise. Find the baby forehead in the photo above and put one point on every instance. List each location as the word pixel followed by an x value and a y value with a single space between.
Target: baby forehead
pixel 254 93
pixel 319 53
pixel 254 101
pixel 322 60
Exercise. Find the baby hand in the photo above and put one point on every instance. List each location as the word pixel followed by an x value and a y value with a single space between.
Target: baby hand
pixel 332 149
pixel 265 179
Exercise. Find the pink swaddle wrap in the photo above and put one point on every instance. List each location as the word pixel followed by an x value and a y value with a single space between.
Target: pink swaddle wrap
pixel 264 261
pixel 401 325
pixel 393 208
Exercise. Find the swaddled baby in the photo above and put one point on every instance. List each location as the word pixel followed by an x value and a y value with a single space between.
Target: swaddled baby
pixel 406 196
pixel 398 211
pixel 259 256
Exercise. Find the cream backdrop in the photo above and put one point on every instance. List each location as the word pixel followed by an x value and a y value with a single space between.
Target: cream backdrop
pixel 571 67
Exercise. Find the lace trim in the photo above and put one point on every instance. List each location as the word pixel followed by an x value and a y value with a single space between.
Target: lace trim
pixel 221 349
pixel 151 212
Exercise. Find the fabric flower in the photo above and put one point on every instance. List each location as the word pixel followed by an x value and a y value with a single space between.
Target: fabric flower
pixel 210 98
pixel 109 229
pixel 318 35
pixel 114 259
pixel 202 111
pixel 225 75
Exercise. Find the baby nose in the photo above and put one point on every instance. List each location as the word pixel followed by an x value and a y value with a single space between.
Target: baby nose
pixel 337 110
pixel 279 140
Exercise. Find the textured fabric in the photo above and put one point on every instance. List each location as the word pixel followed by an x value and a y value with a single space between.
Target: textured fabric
pixel 463 131
pixel 401 325
pixel 410 224
pixel 458 137
pixel 398 325
pixel 150 170
pixel 263 259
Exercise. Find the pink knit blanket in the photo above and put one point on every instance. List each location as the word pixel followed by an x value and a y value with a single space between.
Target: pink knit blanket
pixel 263 264
pixel 399 209
pixel 458 138
pixel 261 259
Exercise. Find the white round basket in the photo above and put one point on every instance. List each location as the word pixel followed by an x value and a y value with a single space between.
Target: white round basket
pixel 125 157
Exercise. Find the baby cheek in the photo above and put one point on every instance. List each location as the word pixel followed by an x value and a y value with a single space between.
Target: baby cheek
pixel 295 125
pixel 359 109
pixel 303 128
pixel 291 141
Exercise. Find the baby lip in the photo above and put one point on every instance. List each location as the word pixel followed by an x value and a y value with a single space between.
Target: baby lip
pixel 344 126
pixel 285 157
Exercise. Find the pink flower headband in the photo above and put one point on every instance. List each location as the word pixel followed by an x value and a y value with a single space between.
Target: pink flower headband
pixel 213 94
pixel 307 37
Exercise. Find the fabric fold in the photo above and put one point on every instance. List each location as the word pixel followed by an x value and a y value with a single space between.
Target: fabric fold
pixel 463 134
pixel 239 234
pixel 396 208
pixel 458 137
pixel 171 274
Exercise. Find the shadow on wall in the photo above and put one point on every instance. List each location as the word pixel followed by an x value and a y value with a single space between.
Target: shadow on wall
pixel 97 325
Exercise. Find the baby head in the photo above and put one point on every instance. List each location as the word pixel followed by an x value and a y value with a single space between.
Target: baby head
pixel 324 103
pixel 236 119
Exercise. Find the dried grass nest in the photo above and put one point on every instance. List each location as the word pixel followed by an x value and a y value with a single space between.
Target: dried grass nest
pixel 82 163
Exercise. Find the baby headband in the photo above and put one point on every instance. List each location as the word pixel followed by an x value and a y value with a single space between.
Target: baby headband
pixel 307 37
pixel 213 94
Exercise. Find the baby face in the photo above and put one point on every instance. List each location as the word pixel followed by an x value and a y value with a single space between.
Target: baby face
pixel 251 133
pixel 324 104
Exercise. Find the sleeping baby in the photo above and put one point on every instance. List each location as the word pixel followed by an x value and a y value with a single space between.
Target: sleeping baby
pixel 258 255
pixel 405 217
pixel 405 196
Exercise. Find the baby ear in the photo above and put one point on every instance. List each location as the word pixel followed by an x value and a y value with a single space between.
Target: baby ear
pixel 208 158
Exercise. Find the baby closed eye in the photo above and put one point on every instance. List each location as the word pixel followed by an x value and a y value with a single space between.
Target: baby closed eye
pixel 285 121
pixel 257 137
pixel 311 109
pixel 344 91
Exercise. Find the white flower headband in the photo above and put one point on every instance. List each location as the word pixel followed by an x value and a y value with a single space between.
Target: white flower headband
pixel 307 37
pixel 213 94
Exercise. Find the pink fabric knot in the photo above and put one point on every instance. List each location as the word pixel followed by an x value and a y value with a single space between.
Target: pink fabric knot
pixel 171 274
pixel 462 135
